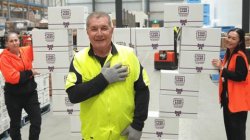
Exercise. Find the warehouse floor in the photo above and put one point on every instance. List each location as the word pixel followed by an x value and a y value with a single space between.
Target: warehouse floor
pixel 208 125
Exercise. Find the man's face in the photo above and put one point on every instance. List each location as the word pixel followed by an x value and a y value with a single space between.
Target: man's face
pixel 99 32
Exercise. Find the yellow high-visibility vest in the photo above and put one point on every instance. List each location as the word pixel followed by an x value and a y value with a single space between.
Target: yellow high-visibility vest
pixel 107 114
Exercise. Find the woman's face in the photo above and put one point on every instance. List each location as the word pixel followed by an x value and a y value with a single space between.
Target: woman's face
pixel 13 43
pixel 232 40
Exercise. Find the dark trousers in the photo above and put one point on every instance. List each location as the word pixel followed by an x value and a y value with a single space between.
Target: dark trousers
pixel 30 104
pixel 235 124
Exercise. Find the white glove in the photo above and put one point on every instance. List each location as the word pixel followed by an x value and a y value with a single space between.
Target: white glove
pixel 115 73
pixel 132 133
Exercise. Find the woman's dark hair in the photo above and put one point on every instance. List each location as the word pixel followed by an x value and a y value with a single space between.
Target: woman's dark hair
pixel 241 46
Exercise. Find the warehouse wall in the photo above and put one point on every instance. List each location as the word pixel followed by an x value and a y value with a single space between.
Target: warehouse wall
pixel 229 12
pixel 156 6
pixel 223 12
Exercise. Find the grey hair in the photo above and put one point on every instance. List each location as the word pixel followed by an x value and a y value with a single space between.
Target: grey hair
pixel 6 38
pixel 98 15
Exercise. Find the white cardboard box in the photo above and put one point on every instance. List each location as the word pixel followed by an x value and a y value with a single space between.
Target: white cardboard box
pixel 175 83
pixel 124 36
pixel 52 40
pixel 49 61
pixel 4 124
pixel 154 39
pixel 2 80
pixel 197 62
pixel 157 128
pixel 200 39
pixel 183 14
pixel 75 125
pixel 40 97
pixel 58 80
pixel 42 81
pixel 46 97
pixel 82 39
pixel 62 105
pixel 178 106
pixel 67 17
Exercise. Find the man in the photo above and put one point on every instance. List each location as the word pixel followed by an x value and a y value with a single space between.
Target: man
pixel 110 85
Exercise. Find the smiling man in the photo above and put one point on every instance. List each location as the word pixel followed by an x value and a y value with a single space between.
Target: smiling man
pixel 110 84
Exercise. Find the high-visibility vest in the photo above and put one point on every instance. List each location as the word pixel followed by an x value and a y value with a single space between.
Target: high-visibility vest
pixel 107 114
pixel 238 91
pixel 11 64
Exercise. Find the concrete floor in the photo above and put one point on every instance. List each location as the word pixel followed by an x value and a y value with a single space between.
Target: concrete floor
pixel 208 125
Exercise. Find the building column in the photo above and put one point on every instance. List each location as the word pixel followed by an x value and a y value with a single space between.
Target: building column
pixel 245 15
pixel 118 13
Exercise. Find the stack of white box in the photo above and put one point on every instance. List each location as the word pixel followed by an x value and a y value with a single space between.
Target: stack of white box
pixel 62 18
pixel 61 103
pixel 147 42
pixel 50 48
pixel 4 117
pixel 55 47
pixel 70 17
pixel 199 46
pixel 179 94
pixel 42 81
pixel 179 89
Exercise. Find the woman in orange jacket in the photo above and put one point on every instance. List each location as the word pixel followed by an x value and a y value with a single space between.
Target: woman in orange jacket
pixel 232 85
pixel 20 87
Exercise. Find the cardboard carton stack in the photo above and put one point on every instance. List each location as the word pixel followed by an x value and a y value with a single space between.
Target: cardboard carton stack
pixel 50 48
pixel 4 117
pixel 199 46
pixel 179 94
pixel 180 89
pixel 65 23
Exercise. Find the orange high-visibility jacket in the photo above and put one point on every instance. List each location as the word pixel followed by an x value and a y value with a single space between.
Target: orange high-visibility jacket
pixel 17 71
pixel 238 94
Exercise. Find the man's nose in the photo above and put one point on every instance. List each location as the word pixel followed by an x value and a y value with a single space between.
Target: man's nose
pixel 99 32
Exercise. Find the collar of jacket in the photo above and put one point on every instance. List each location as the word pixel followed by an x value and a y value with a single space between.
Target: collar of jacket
pixel 113 50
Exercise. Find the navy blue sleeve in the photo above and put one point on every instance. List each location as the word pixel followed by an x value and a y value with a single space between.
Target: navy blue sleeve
pixel 25 76
pixel 141 103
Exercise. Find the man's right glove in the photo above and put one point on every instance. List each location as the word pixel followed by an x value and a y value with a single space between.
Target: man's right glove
pixel 132 133
pixel 115 73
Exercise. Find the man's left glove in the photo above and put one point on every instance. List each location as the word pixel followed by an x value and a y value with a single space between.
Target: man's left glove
pixel 132 133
